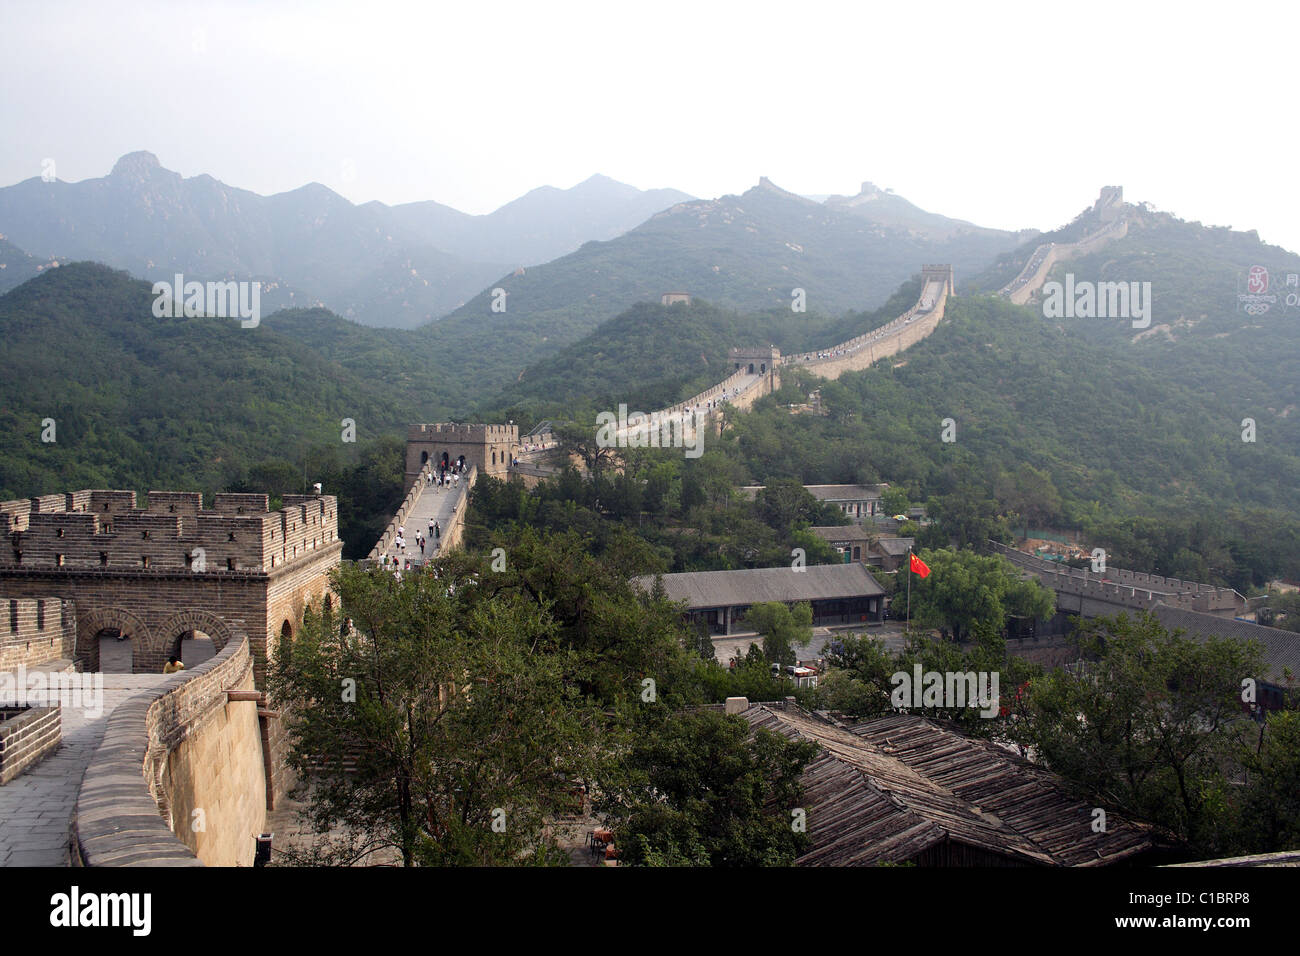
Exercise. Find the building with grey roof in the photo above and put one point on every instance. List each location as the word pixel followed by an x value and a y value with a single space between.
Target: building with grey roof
pixel 866 544
pixel 838 593
pixel 1281 648
pixel 856 501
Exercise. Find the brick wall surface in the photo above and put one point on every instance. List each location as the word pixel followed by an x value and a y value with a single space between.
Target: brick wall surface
pixel 26 736
pixel 167 752
pixel 34 631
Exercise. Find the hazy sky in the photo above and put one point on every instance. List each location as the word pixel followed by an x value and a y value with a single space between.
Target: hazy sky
pixel 1007 114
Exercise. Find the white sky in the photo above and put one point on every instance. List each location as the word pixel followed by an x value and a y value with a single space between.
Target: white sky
pixel 1007 114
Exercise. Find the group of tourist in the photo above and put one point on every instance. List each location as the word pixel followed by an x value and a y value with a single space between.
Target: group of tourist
pixel 447 475
pixel 398 561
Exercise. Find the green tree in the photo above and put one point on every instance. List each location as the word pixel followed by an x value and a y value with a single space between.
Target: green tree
pixel 895 500
pixel 1149 726
pixel 965 589
pixel 783 628
pixel 463 726
pixel 1271 799
pixel 701 790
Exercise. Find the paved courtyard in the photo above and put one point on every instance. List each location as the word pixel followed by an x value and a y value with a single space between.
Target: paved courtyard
pixel 36 807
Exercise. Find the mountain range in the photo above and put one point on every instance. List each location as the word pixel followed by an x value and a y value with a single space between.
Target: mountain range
pixel 396 266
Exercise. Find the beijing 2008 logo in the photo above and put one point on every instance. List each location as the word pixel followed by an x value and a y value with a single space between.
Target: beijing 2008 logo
pixel 1257 280
pixel 1256 300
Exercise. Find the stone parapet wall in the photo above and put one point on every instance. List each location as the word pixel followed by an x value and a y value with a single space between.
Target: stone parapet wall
pixel 902 333
pixel 454 534
pixel 27 734
pixel 167 752
pixel 94 530
pixel 408 504
pixel 1031 278
pixel 37 630
pixel 1127 588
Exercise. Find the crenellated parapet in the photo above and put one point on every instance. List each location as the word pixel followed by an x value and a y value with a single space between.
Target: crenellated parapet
pixel 105 531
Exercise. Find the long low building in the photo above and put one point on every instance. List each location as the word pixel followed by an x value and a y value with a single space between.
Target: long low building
pixel 838 593
pixel 856 501
pixel 1280 648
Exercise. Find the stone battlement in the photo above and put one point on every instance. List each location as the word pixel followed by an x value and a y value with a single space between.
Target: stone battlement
pixel 1127 588
pixel 449 431
pixel 105 531
pixel 36 631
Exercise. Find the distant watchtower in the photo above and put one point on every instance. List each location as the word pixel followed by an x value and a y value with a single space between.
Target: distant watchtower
pixel 489 447
pixel 756 361
pixel 1108 206
pixel 672 298
pixel 939 273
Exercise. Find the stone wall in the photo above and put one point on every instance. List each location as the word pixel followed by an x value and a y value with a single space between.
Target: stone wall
pixel 289 553
pixel 415 488
pixel 1081 591
pixel 167 752
pixel 103 530
pixel 38 630
pixel 27 734
pixel 454 534
pixel 1021 289
pixel 863 352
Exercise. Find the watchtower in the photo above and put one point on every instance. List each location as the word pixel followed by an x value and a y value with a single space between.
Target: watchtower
pixel 756 361
pixel 489 447
pixel 939 273
pixel 155 575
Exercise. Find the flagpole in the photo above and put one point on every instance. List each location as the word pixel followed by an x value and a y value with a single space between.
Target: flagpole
pixel 907 628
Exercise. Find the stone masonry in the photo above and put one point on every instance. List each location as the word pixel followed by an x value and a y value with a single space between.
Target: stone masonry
pixel 157 574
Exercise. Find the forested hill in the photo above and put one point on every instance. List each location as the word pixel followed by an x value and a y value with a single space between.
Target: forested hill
pixel 651 356
pixel 142 402
pixel 743 252
pixel 16 266
pixel 1064 431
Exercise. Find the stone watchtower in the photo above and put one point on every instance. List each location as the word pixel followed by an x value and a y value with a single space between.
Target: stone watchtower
pixel 757 361
pixel 1110 204
pixel 156 574
pixel 488 447
pixel 931 272
pixel 140 582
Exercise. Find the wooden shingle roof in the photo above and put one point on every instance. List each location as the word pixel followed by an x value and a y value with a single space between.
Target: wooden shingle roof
pixel 888 790
pixel 1028 799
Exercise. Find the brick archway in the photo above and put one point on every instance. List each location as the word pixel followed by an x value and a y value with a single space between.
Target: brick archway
pixel 196 619
pixel 110 618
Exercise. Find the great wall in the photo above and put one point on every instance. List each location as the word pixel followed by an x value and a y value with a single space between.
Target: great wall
pixel 89 571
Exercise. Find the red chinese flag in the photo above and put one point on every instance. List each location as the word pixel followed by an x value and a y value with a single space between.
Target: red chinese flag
pixel 920 567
